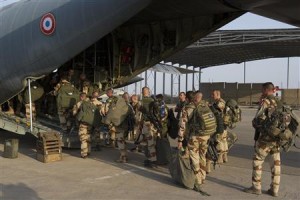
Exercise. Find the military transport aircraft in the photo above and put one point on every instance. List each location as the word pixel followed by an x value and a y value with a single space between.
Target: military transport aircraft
pixel 39 36
pixel 117 39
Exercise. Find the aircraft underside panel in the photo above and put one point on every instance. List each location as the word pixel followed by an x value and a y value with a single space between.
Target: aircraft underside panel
pixel 26 51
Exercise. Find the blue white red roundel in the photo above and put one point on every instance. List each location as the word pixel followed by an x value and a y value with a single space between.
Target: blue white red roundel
pixel 48 24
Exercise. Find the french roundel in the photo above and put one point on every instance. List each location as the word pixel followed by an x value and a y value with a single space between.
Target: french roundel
pixel 48 24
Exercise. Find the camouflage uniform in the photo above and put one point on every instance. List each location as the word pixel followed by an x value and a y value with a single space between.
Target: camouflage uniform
pixel 138 118
pixel 85 138
pixel 197 147
pixel 83 132
pixel 96 136
pixel 63 114
pixel 148 130
pixel 221 138
pixel 264 146
pixel 27 109
pixel 112 129
pixel 185 116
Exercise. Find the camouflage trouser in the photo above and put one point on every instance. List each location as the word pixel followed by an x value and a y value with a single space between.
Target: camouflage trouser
pixel 85 138
pixel 112 133
pixel 197 150
pixel 64 120
pixel 151 134
pixel 27 109
pixel 262 149
pixel 222 146
pixel 121 141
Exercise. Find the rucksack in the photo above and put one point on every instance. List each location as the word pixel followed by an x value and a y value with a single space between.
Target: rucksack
pixel 282 124
pixel 130 118
pixel 159 112
pixel 37 92
pixel 232 113
pixel 173 126
pixel 67 96
pixel 89 113
pixel 117 112
pixel 219 119
pixel 203 120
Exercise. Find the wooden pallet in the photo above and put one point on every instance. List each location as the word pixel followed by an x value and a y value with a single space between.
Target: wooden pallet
pixel 48 147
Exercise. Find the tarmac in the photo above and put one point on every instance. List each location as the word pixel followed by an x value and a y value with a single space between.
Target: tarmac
pixel 100 177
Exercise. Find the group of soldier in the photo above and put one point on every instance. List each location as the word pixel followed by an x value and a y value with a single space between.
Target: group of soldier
pixel 198 122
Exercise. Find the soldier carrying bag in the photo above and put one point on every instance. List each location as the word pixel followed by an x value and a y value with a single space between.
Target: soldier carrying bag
pixel 232 113
pixel 90 114
pixel 117 112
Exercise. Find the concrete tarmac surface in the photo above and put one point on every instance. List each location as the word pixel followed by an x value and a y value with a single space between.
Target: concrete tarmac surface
pixel 100 177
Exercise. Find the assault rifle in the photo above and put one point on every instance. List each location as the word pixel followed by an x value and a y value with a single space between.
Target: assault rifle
pixel 155 122
pixel 212 151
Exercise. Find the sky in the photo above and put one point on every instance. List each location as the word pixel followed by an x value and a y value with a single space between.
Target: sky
pixel 274 70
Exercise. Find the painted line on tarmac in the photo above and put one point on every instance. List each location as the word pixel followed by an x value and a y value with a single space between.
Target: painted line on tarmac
pixel 122 173
pixel 97 179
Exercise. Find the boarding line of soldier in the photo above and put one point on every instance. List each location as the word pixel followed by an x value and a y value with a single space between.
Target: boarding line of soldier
pixel 198 120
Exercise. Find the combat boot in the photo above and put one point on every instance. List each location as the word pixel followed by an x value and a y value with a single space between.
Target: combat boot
pixel 272 193
pixel 122 159
pixel 252 190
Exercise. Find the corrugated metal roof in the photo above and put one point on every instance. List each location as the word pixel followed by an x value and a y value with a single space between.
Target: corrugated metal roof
pixel 227 47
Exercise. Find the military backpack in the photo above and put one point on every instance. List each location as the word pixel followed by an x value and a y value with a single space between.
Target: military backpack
pixel 89 113
pixel 117 112
pixel 37 92
pixel 67 96
pixel 282 124
pixel 232 113
pixel 203 121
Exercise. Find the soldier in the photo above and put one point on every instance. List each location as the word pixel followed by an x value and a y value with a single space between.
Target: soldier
pixel 181 104
pixel 221 134
pixel 84 128
pixel 96 136
pixel 126 97
pixel 104 110
pixel 148 129
pixel 137 133
pixel 202 124
pixel 76 107
pixel 185 116
pixel 63 112
pixel 266 143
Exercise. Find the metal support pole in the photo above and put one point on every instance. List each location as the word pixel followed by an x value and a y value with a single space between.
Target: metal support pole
pixel 164 83
pixel 30 104
pixel 146 79
pixel 193 78
pixel 155 83
pixel 288 73
pixel 186 80
pixel 244 72
pixel 135 88
pixel 179 77
pixel 200 72
pixel 172 80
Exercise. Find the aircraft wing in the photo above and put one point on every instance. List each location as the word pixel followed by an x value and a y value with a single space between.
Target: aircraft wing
pixel 286 11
